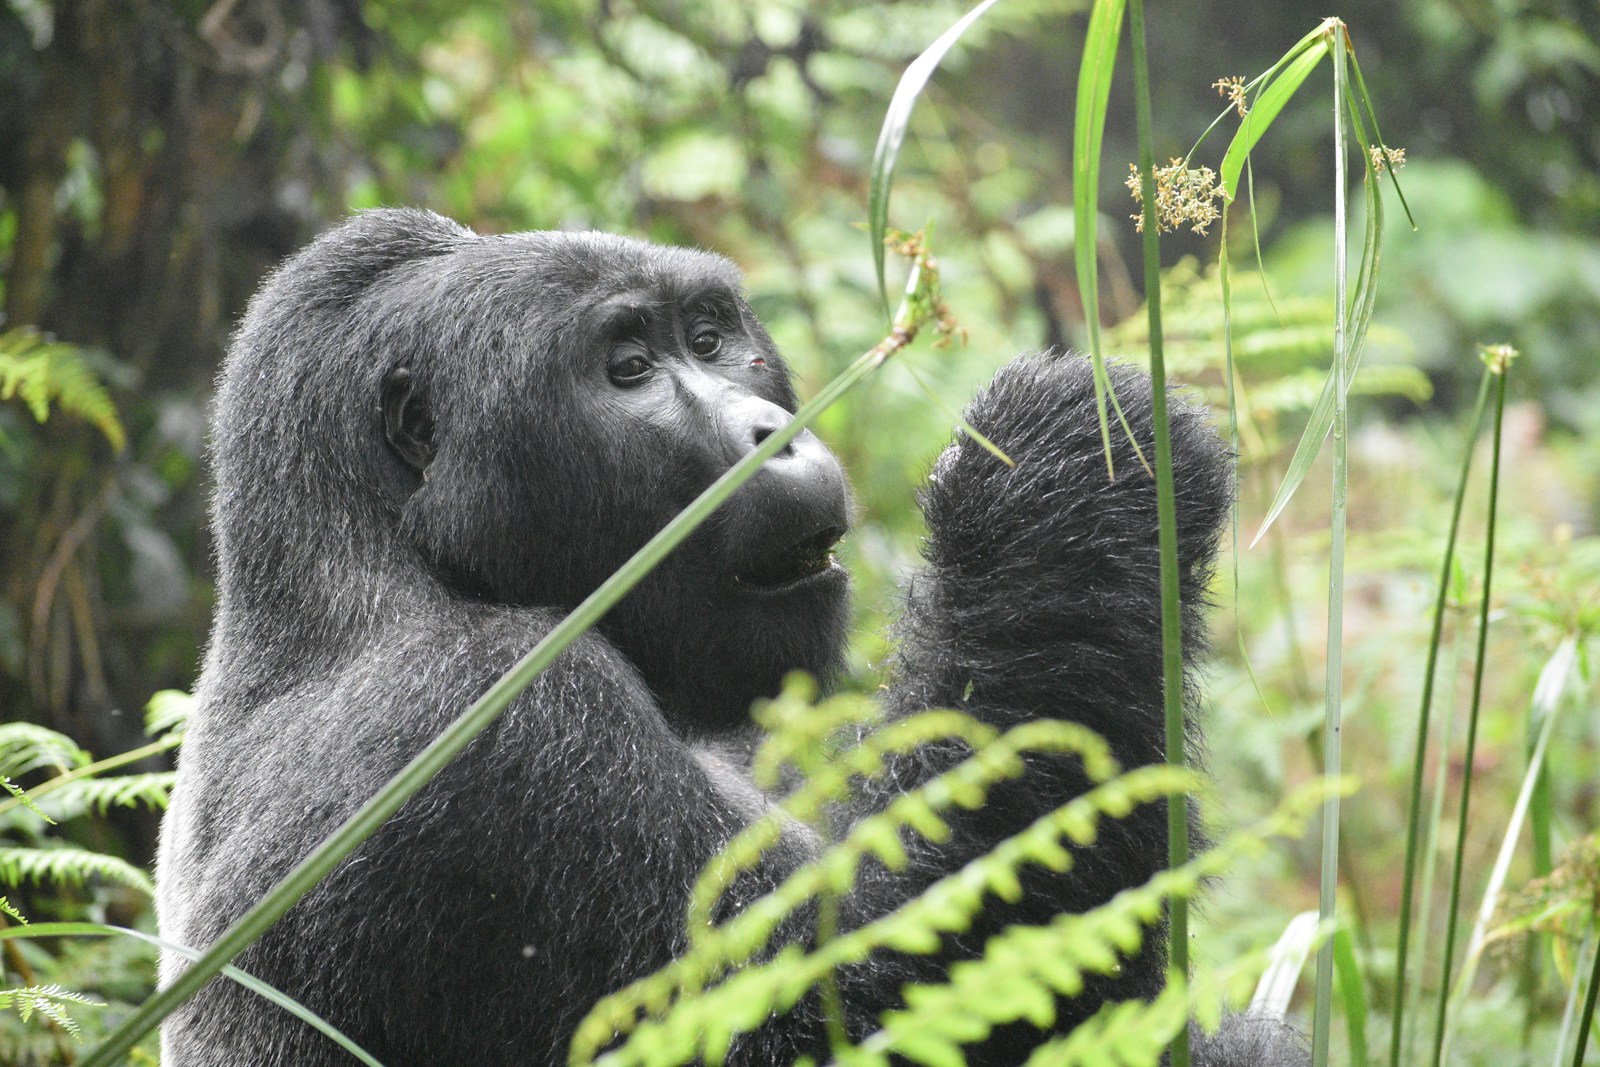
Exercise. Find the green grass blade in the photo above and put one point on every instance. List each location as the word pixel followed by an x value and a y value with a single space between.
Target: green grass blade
pixel 1429 673
pixel 1576 1021
pixel 1228 375
pixel 1358 318
pixel 1271 101
pixel 1284 964
pixel 1586 1022
pixel 1255 85
pixel 1544 706
pixel 893 134
pixel 1333 681
pixel 1353 992
pixel 1458 859
pixel 1088 130
pixel 1372 117
pixel 1166 521
pixel 243 978
pixel 959 419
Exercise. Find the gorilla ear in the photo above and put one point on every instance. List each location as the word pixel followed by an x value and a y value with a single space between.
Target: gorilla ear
pixel 407 422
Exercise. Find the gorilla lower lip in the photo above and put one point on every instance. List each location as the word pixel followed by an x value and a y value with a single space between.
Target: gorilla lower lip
pixel 804 559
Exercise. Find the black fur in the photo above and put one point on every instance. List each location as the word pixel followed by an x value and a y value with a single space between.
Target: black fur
pixel 426 450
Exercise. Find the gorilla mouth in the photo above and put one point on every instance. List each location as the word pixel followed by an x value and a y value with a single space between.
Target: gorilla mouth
pixel 802 559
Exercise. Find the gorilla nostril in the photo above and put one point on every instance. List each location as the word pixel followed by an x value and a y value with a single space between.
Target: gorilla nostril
pixel 761 433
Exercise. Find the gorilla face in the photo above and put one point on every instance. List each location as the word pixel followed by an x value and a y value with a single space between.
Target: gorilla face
pixel 592 414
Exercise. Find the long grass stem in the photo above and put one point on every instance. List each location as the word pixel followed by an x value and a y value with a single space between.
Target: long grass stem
pixel 1419 756
pixel 1166 518
pixel 1587 1020
pixel 1457 862
pixel 1333 682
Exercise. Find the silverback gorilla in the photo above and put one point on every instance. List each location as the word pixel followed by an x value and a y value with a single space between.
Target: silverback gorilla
pixel 428 446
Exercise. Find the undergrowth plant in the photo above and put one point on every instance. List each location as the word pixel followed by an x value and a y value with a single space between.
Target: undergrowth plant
pixel 46 374
pixel 44 991
pixel 730 980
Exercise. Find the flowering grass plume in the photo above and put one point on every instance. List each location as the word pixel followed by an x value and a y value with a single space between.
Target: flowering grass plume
pixel 1233 89
pixel 1384 156
pixel 1185 196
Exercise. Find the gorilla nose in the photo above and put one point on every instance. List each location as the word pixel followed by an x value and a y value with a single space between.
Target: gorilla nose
pixel 753 421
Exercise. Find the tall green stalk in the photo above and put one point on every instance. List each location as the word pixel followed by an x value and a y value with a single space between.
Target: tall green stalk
pixel 1587 1019
pixel 914 311
pixel 1502 371
pixel 1166 518
pixel 1327 905
pixel 1414 809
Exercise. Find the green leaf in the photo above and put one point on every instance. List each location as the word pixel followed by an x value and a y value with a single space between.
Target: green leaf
pixel 72 866
pixel 1353 993
pixel 1088 134
pixel 893 134
pixel 1266 107
pixel 244 978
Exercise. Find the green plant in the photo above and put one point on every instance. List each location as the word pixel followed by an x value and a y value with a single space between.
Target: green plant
pixel 42 373
pixel 69 786
pixel 729 982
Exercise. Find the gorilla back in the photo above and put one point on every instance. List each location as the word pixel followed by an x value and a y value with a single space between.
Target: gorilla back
pixel 430 445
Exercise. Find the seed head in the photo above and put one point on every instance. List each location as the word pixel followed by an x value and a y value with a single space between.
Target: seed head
pixel 1185 196
pixel 1233 89
pixel 1384 156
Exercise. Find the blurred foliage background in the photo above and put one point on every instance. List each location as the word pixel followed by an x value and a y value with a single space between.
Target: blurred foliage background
pixel 156 158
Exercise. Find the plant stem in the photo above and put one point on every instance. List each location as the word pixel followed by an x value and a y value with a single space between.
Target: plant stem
pixel 1333 682
pixel 89 770
pixel 1472 725
pixel 1414 819
pixel 1588 1013
pixel 1166 519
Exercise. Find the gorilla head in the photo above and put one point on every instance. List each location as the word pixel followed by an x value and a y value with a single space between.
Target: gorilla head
pixel 519 415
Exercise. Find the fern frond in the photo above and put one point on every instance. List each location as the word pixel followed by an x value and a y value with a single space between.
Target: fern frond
pixel 41 372
pixel 677 1016
pixel 830 781
pixel 26 746
pixel 1129 1033
pixel 7 909
pixel 1299 391
pixel 50 1001
pixel 804 734
pixel 99 795
pixel 703 1022
pixel 20 796
pixel 70 866
pixel 167 711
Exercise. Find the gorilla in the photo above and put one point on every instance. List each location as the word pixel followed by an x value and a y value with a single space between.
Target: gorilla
pixel 429 445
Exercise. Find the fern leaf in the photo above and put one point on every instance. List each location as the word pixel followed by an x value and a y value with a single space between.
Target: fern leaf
pixel 20 796
pixel 99 795
pixel 1130 1033
pixel 42 373
pixel 167 711
pixel 69 866
pixel 25 747
pixel 50 1001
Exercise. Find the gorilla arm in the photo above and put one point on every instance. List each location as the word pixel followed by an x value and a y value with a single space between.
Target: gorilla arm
pixel 1040 598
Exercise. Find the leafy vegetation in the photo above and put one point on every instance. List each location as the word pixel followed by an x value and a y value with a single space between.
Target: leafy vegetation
pixel 160 160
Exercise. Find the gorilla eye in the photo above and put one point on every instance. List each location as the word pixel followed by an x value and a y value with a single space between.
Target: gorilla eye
pixel 705 343
pixel 628 370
